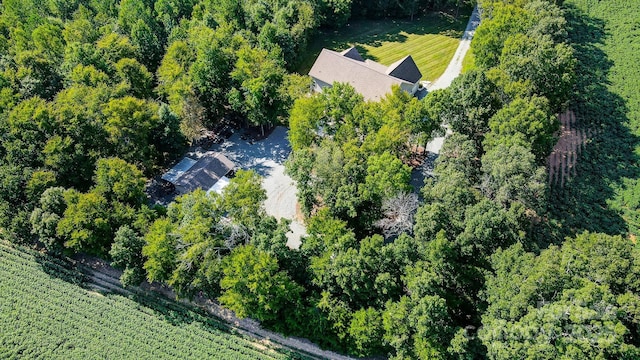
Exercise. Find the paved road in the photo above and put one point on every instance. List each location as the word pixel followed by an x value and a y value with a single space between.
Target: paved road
pixel 453 70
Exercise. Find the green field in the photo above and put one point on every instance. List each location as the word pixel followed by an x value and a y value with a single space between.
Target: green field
pixel 605 194
pixel 46 313
pixel 431 40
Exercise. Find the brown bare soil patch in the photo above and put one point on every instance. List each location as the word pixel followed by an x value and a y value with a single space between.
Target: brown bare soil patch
pixel 562 160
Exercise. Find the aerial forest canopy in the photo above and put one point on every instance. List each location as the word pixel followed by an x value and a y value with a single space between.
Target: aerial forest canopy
pixel 97 96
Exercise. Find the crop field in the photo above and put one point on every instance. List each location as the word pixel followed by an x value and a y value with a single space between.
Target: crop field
pixel 602 195
pixel 46 313
pixel 431 40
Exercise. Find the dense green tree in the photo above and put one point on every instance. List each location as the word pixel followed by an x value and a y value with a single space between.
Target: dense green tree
pixel 353 274
pixel 258 75
pixel 160 250
pixel 36 75
pixel 44 219
pixel 216 52
pixel 253 286
pixel 130 125
pixel 365 331
pixel 173 74
pixel 548 20
pixel 48 41
pixel 149 42
pixel 304 119
pixel 119 181
pixel 527 122
pixel 512 175
pixel 335 13
pixel 458 153
pixel 417 328
pixel 170 12
pixel 576 301
pixel 130 11
pixel 467 105
pixel 14 206
pixel 326 233
pixel 386 177
pixel 114 47
pixel 499 22
pixel 25 131
pixel 126 253
pixel 548 68
pixel 244 199
pixel 85 225
pixel 134 78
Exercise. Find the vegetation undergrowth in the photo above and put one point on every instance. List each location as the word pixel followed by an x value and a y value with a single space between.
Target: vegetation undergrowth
pixel 603 194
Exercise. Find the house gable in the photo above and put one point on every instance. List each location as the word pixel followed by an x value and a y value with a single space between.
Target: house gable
pixel 405 69
pixel 371 79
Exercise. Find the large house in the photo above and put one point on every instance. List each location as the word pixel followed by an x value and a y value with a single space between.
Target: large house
pixel 369 78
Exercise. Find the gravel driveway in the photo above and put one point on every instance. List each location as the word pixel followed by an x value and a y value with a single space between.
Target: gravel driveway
pixel 453 70
pixel 455 66
pixel 267 157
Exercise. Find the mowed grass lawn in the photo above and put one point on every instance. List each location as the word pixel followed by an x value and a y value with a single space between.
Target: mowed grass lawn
pixel 431 40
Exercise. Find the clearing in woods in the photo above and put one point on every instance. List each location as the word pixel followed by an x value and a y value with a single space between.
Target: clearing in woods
pixel 431 40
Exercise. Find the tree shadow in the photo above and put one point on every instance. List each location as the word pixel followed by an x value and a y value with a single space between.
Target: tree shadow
pixel 608 156
pixel 374 33
pixel 260 156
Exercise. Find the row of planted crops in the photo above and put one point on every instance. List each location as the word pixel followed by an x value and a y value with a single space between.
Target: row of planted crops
pixel 46 313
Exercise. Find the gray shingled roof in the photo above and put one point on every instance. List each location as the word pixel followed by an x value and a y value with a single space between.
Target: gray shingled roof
pixel 405 69
pixel 205 173
pixel 371 79
pixel 352 53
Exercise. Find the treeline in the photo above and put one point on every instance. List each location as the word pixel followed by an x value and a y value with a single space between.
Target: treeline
pixel 453 279
pixel 96 95
pixel 86 81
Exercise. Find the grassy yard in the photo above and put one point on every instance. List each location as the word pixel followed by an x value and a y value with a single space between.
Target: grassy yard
pixel 431 40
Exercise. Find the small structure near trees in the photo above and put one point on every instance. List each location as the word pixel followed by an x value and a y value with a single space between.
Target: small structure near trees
pixel 209 172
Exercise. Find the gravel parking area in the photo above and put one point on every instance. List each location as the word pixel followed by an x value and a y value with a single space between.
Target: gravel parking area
pixel 266 157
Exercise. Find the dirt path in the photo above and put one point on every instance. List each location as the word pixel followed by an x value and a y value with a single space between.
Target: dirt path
pixel 455 66
pixel 104 278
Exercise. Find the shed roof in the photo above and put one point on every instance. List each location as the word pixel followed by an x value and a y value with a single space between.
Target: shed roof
pixel 205 173
pixel 219 185
pixel 371 79
pixel 179 169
